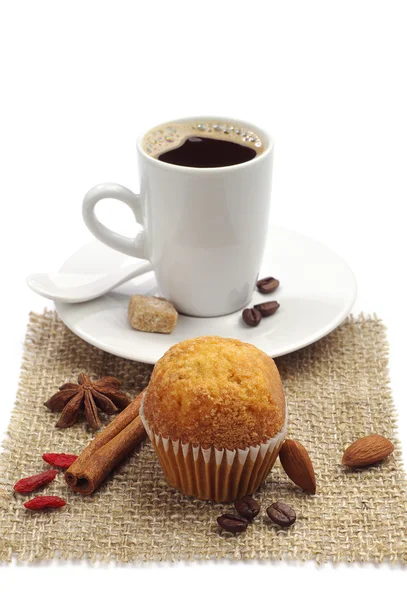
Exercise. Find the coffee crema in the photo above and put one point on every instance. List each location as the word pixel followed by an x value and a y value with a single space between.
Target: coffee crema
pixel 202 144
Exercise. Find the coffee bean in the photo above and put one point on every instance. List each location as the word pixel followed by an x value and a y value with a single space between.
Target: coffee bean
pixel 247 507
pixel 282 514
pixel 267 285
pixel 267 308
pixel 251 316
pixel 232 523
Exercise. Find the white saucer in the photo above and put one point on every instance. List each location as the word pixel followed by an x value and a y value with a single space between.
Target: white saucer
pixel 316 293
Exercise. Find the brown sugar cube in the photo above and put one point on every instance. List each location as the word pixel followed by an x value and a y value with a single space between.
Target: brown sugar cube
pixel 148 313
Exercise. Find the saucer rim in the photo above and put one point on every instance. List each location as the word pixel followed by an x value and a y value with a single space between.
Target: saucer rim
pixel 147 358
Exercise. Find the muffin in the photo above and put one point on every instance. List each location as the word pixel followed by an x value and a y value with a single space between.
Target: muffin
pixel 215 412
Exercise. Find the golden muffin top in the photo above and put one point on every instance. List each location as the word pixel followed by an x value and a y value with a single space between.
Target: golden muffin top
pixel 215 391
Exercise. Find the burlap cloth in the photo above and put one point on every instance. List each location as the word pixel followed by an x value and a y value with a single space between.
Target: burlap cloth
pixel 337 390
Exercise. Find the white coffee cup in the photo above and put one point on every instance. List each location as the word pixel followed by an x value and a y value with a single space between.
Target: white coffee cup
pixel 203 229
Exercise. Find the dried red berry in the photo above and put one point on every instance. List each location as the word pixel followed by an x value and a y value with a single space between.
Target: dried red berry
pixel 41 502
pixel 59 460
pixel 29 484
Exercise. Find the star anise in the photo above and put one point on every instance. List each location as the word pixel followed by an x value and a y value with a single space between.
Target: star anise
pixel 104 394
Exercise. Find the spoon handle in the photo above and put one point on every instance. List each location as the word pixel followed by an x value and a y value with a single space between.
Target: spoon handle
pixel 133 272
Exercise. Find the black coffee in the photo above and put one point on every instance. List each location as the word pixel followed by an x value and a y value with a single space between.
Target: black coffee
pixel 206 152
pixel 202 144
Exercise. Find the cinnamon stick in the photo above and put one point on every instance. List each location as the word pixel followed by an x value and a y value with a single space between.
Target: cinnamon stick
pixel 115 443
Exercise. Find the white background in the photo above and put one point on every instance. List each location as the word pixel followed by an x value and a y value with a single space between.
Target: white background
pixel 79 81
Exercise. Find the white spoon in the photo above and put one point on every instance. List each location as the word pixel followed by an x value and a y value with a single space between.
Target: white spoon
pixel 78 287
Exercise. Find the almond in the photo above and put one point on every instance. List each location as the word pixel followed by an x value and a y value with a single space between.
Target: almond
pixel 298 466
pixel 367 451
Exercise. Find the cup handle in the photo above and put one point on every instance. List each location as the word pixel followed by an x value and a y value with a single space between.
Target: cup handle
pixel 131 246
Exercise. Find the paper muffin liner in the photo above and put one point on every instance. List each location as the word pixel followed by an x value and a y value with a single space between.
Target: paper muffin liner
pixel 213 473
